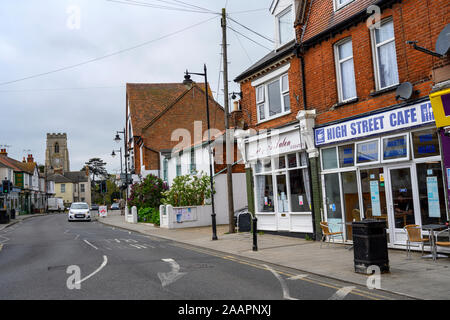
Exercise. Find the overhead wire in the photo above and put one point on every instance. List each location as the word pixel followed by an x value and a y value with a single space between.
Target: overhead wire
pixel 107 55
pixel 248 38
pixel 150 5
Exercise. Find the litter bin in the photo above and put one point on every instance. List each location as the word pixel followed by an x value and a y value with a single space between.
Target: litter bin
pixel 370 245
pixel 4 216
pixel 13 213
pixel 244 222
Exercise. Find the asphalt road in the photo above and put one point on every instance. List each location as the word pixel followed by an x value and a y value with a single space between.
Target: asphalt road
pixel 40 257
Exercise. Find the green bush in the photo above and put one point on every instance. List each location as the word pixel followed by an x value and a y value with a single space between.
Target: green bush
pixel 148 215
pixel 148 193
pixel 188 190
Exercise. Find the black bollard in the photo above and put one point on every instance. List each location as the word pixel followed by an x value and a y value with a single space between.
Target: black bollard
pixel 255 231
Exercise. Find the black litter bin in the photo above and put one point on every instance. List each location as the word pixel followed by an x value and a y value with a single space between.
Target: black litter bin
pixel 13 213
pixel 4 216
pixel 244 222
pixel 370 245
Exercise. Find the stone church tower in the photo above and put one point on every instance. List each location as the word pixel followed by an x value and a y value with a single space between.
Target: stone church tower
pixel 57 154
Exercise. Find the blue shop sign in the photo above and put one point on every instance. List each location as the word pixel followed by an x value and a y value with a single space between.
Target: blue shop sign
pixel 401 118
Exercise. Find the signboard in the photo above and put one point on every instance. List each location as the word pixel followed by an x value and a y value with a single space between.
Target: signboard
pixel 185 214
pixel 18 178
pixel 103 211
pixel 434 209
pixel 380 123
pixel 375 198
pixel 274 144
pixel 440 102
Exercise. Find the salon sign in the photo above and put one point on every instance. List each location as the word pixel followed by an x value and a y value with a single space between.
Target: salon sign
pixel 401 118
pixel 274 144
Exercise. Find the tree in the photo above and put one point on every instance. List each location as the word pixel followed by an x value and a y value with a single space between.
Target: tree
pixel 96 168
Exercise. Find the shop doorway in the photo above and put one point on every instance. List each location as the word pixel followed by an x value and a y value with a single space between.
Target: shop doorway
pixel 282 203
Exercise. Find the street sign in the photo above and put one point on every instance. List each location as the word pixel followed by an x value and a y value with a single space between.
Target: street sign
pixel 103 211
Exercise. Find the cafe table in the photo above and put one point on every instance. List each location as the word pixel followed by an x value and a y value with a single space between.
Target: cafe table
pixel 432 228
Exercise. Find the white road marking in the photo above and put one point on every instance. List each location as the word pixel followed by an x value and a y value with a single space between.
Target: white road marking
pixel 90 244
pixel 66 231
pixel 283 284
pixel 297 277
pixel 172 276
pixel 105 261
pixel 6 239
pixel 77 236
pixel 341 293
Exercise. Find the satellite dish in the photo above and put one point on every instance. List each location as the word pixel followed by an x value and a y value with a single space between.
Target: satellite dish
pixel 404 91
pixel 443 41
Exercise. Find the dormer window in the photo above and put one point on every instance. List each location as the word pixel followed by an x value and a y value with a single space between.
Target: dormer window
pixel 341 3
pixel 285 26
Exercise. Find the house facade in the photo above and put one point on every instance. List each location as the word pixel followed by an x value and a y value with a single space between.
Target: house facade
pixel 359 113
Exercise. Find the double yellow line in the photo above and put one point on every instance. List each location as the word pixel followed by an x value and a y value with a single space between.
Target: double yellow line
pixel 358 292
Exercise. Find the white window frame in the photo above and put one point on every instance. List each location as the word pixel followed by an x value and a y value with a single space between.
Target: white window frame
pixel 396 159
pixel 338 62
pixel 322 157
pixel 371 162
pixel 265 101
pixel 376 61
pixel 277 26
pixel 338 6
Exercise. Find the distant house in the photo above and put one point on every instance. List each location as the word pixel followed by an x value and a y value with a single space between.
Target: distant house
pixel 74 186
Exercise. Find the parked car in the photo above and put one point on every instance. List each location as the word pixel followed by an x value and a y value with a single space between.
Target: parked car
pixel 115 206
pixel 55 204
pixel 79 211
pixel 94 207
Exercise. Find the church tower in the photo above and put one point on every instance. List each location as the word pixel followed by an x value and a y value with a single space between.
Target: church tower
pixel 57 154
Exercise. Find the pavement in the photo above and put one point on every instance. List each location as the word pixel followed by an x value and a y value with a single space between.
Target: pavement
pixel 413 277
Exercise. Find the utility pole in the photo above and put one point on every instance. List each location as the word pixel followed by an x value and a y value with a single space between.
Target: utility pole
pixel 229 144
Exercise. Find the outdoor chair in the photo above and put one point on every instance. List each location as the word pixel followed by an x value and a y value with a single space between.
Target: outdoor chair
pixel 443 243
pixel 326 233
pixel 414 233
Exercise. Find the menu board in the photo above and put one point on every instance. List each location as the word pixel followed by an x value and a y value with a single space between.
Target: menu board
pixel 375 198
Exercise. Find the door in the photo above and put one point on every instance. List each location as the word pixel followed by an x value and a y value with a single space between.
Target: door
pixel 282 205
pixel 332 199
pixel 402 197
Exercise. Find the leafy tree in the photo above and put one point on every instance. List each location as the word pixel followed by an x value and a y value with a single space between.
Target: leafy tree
pixel 96 168
pixel 148 193
pixel 189 190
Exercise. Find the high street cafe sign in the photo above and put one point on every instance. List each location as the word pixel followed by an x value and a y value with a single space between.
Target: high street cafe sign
pixel 401 118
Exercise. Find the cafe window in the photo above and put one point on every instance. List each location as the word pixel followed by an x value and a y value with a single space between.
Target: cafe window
pixel 368 152
pixel 425 143
pixel 396 148
pixel 346 156
pixel 329 159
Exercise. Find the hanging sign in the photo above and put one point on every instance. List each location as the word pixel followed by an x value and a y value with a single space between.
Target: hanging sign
pixel 434 209
pixel 380 123
pixel 441 107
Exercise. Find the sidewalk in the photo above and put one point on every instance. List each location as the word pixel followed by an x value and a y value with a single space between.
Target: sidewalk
pixel 418 278
pixel 19 218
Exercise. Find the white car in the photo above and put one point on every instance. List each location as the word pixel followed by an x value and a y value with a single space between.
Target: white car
pixel 79 211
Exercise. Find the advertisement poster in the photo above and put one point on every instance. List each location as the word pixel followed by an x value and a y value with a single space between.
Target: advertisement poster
pixel 375 198
pixel 103 211
pixel 434 210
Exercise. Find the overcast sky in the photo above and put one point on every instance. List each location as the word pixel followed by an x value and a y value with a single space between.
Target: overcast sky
pixel 42 36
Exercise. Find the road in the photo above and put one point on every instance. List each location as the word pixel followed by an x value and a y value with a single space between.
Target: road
pixel 40 259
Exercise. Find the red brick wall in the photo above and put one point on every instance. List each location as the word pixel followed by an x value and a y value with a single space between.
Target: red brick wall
pixel 191 107
pixel 413 20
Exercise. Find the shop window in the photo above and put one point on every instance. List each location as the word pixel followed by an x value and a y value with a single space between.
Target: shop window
pixel 258 166
pixel 402 197
pixel 333 202
pixel 300 197
pixel 280 162
pixel 425 143
pixel 267 165
pixel 373 191
pixel 395 148
pixel 347 156
pixel 385 56
pixel 368 152
pixel 431 192
pixel 264 193
pixel 292 160
pixel 329 158
pixel 351 200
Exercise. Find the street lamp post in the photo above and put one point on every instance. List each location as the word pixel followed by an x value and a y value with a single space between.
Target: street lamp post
pixel 187 80
pixel 113 154
pixel 117 139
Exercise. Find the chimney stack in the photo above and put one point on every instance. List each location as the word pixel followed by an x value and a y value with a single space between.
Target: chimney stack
pixel 3 152
pixel 30 158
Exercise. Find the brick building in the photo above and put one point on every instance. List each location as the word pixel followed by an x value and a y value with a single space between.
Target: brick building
pixel 376 151
pixel 160 117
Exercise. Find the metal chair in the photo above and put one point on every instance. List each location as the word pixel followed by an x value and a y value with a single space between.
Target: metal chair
pixel 414 233
pixel 443 243
pixel 326 233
